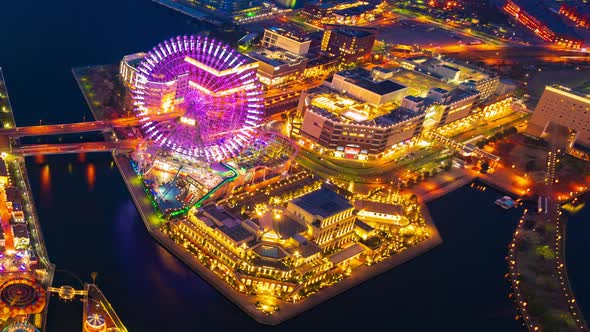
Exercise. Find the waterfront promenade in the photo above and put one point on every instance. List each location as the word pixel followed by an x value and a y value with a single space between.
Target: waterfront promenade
pixel 248 303
pixel 502 179
pixel 538 274
pixel 536 257
pixel 17 171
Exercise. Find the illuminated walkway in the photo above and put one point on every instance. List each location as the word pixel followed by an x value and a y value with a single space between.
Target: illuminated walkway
pixel 537 265
pixel 466 149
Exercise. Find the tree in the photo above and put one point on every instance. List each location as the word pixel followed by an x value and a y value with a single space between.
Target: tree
pixel 529 166
pixel 485 167
pixel 510 131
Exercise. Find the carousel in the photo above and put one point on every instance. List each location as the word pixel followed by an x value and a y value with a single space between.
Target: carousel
pixel 95 323
pixel 22 296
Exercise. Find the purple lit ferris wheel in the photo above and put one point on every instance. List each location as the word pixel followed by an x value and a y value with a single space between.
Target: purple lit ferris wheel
pixel 198 97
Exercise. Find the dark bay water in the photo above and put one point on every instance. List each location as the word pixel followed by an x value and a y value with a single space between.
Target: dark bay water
pixel 90 223
pixel 578 263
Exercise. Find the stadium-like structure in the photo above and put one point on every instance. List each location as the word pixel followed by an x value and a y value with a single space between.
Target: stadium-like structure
pixel 210 91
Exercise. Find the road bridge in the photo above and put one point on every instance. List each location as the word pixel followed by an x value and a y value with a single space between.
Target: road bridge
pixel 81 127
pixel 47 149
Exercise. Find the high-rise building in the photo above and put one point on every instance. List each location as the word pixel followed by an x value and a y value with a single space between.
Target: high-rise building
pixel 128 69
pixel 485 86
pixel 564 106
pixel 328 216
pixel 545 24
pixel 348 43
pixel 289 38
pixel 276 66
pixel 577 12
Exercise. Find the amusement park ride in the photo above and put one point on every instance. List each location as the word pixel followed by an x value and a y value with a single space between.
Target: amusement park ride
pixel 215 89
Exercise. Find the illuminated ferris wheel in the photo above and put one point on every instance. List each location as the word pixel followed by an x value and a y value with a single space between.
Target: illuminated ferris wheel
pixel 209 91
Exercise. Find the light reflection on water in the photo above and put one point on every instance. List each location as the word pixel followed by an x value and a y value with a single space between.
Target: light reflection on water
pixel 45 175
pixel 46 183
pixel 90 176
pixel 40 159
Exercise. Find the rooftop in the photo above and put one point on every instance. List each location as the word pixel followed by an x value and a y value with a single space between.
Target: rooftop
pixel 308 248
pixel 414 99
pixel 468 71
pixel 291 31
pixel 134 59
pixel 3 171
pixel 20 230
pixel 236 233
pixel 220 215
pixel 276 57
pixel 345 109
pixel 225 222
pixel 355 32
pixel 579 91
pixel 378 207
pixel 285 227
pixel 323 203
pixel 272 263
pixel 363 225
pixel 350 252
pixel 396 116
pixel 352 11
pixel 269 251
pixel 419 83
pixel 440 90
pixel 451 68
pixel 12 195
pixel 455 96
pixel 363 78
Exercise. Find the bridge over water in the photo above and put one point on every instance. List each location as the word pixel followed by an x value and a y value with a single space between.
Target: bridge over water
pixel 7 136
pixel 46 149
pixel 81 127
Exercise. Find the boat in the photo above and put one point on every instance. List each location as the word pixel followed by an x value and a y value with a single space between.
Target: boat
pixel 505 202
